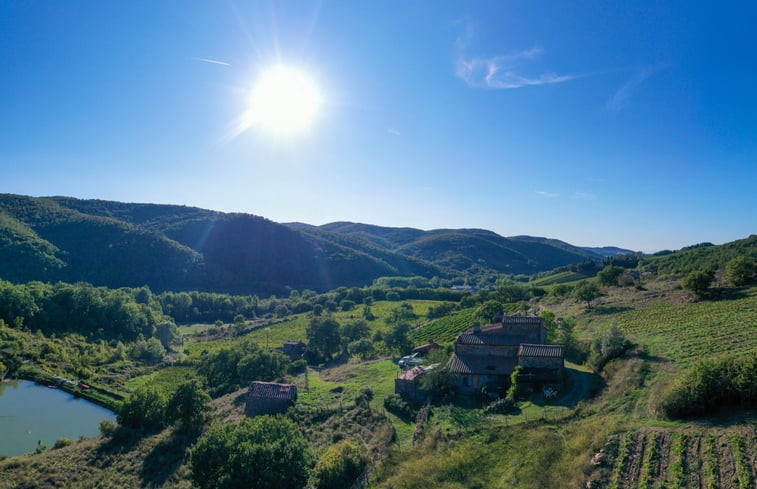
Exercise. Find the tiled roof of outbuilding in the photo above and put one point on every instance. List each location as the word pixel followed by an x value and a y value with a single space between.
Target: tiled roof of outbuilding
pixel 481 364
pixel 542 351
pixel 272 390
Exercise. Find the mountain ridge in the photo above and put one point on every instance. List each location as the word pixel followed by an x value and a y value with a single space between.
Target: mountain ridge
pixel 176 247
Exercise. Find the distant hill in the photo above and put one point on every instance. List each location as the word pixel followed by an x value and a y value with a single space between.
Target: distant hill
pixel 701 257
pixel 171 247
pixel 608 251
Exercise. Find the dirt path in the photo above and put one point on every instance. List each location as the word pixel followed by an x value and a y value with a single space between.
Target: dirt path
pixel 581 385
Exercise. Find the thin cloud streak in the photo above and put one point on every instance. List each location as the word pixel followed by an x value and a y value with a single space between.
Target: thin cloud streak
pixel 548 195
pixel 621 98
pixel 212 61
pixel 500 71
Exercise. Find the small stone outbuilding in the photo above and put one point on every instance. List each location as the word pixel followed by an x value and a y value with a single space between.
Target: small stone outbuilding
pixel 541 363
pixel 295 349
pixel 407 384
pixel 269 398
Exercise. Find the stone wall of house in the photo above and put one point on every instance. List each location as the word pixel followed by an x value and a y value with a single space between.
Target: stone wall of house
pixel 540 362
pixel 259 407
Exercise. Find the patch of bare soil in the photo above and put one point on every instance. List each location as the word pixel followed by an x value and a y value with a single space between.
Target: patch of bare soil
pixel 726 464
pixel 694 456
pixel 666 442
pixel 632 469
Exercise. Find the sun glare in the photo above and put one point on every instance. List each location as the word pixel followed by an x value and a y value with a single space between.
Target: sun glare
pixel 283 101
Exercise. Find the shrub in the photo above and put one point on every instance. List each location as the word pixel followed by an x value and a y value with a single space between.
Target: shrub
pixel 502 406
pixel 740 271
pixel 394 403
pixel 339 467
pixel 608 346
pixel 698 282
pixel 712 384
pixel 265 452
pixel 107 428
pixel 62 442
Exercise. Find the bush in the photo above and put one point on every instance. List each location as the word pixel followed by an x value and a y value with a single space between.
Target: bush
pixel 107 428
pixel 339 467
pixel 297 367
pixel 265 452
pixel 698 282
pixel 362 349
pixel 740 271
pixel 144 408
pixel 712 384
pixel 502 406
pixel 394 403
pixel 62 442
pixel 608 346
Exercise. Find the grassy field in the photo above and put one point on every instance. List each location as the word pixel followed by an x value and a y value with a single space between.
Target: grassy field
pixel 560 278
pixel 673 328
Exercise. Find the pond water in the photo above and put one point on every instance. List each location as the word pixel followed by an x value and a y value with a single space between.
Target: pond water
pixel 31 413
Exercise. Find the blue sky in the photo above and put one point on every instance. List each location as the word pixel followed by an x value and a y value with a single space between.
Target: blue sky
pixel 599 123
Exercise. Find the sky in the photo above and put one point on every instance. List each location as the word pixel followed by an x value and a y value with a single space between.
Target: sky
pixel 630 124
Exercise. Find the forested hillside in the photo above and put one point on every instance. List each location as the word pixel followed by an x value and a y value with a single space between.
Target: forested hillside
pixel 170 247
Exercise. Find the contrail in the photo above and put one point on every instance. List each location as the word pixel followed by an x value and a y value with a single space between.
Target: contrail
pixel 213 61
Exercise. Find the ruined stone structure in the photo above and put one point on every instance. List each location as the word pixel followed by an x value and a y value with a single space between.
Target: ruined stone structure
pixel 269 398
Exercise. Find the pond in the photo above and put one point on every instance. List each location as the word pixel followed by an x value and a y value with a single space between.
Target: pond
pixel 30 413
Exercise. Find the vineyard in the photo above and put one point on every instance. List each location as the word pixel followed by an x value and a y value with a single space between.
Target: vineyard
pixel 444 330
pixel 687 332
pixel 674 460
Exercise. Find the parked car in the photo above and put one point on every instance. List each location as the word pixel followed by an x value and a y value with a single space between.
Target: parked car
pixel 411 360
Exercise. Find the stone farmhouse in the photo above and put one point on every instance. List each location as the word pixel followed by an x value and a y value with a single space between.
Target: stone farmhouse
pixel 487 355
pixel 269 398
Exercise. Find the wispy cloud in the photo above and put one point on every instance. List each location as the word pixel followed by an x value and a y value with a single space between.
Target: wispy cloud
pixel 212 61
pixel 502 71
pixel 548 195
pixel 393 132
pixel 621 98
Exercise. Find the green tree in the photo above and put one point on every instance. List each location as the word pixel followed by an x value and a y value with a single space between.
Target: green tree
pixel 740 271
pixel 189 407
pixel 264 452
pixel 324 338
pixel 488 311
pixel 396 339
pixel 144 408
pixel 339 467
pixel 698 282
pixel 586 291
pixel 260 364
pixel 550 324
pixel 362 349
pixel 403 312
pixel 355 330
pixel 609 275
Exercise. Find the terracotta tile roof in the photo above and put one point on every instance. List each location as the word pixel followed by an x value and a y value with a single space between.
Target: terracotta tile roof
pixel 543 351
pixel 413 373
pixel 272 390
pixel 487 339
pixel 481 364
pixel 510 321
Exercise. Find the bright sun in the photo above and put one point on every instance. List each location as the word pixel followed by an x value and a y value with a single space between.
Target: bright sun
pixel 283 101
